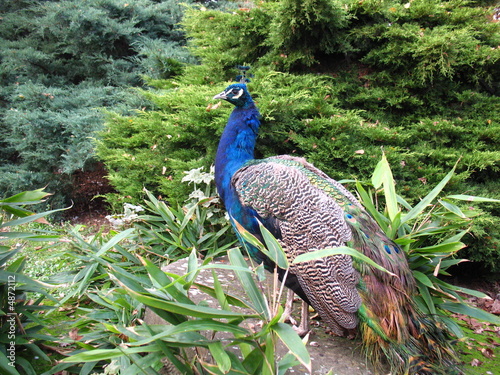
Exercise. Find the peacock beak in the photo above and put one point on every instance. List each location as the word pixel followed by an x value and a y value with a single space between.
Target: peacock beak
pixel 222 96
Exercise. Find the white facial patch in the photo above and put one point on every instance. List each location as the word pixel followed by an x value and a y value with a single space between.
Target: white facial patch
pixel 238 95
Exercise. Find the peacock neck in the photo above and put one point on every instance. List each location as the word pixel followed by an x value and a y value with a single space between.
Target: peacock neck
pixel 236 147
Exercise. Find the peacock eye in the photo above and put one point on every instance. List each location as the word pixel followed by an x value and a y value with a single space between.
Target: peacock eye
pixel 235 91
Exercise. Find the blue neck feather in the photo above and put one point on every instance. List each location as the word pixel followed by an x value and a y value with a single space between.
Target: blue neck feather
pixel 236 147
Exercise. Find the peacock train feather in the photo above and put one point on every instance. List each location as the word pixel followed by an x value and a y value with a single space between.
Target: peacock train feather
pixel 306 210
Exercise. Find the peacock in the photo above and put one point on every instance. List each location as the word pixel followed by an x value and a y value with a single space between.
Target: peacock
pixel 306 210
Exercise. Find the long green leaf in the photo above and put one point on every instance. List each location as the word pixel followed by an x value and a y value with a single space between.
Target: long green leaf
pixel 423 278
pixel 193 326
pixel 27 196
pixel 452 208
pixel 275 251
pixel 15 210
pixel 256 297
pixel 20 279
pixel 427 298
pixel 196 311
pixel 29 218
pixel 420 207
pixel 383 176
pixel 269 355
pixel 442 248
pixel 188 216
pixel 5 366
pixel 103 354
pixel 341 250
pixel 272 248
pixel 370 207
pixel 221 357
pixel 462 308
pixel 113 241
pixel 293 342
pixel 472 198
pixel 235 301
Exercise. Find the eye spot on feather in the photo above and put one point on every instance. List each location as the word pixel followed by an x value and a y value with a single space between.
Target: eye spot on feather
pixel 396 249
pixel 351 219
pixel 387 249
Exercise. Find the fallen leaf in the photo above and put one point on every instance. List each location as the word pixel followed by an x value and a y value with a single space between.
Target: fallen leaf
pixel 422 180
pixel 73 334
pixel 487 352
pixel 479 330
pixel 495 307
pixel 476 362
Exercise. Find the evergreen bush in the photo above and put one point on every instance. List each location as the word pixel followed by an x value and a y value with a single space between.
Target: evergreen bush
pixel 60 62
pixel 415 79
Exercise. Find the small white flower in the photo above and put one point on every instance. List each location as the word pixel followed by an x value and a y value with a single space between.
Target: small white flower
pixel 197 194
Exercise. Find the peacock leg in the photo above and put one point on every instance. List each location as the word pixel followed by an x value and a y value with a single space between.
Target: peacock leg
pixel 289 308
pixel 304 327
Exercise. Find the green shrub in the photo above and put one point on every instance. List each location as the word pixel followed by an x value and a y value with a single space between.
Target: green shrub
pixel 60 62
pixel 21 323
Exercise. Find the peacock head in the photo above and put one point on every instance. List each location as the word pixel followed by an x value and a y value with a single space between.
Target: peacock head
pixel 236 94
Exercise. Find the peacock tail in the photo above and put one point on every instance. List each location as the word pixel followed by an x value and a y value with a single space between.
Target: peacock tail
pixel 306 211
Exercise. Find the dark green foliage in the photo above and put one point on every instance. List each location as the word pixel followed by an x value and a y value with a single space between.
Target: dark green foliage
pixel 224 40
pixel 305 29
pixel 74 41
pixel 415 79
pixel 153 149
pixel 49 134
pixel 60 63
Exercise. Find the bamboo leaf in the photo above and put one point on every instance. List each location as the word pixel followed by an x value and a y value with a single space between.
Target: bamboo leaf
pixel 370 207
pixel 452 208
pixel 472 198
pixel 462 308
pixel 113 241
pixel 230 299
pixel 196 311
pixel 194 325
pixel 427 298
pixel 5 366
pixel 442 248
pixel 274 250
pixel 293 342
pixel 27 196
pixel 383 176
pixel 460 289
pixel 420 207
pixel 29 218
pixel 424 279
pixel 103 354
pixel 219 354
pixel 312 255
pixel 269 355
pixel 272 247
pixel 248 283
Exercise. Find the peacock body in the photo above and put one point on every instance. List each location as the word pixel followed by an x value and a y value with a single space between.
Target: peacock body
pixel 306 210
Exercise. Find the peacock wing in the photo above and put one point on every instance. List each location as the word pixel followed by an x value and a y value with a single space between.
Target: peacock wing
pixel 280 191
